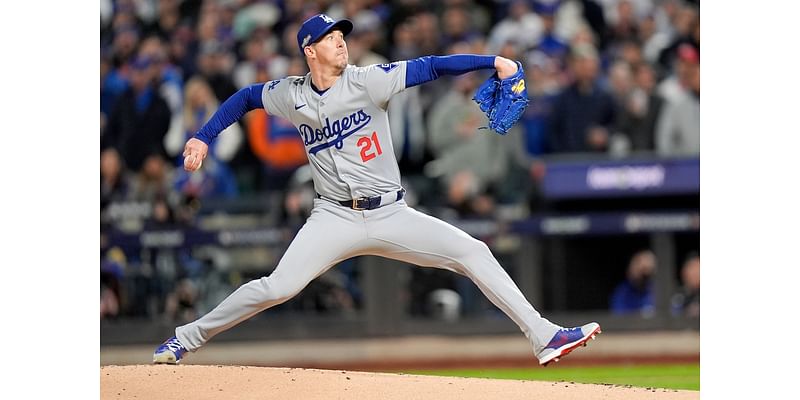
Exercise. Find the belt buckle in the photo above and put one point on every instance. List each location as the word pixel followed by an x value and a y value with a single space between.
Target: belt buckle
pixel 355 204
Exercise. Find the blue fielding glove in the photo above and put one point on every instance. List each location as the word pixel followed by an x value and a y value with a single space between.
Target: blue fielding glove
pixel 503 100
pixel 485 95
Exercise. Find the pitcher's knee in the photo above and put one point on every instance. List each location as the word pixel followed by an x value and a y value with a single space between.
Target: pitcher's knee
pixel 479 249
pixel 474 255
pixel 278 290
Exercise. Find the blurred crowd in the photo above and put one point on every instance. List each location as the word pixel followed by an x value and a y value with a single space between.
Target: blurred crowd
pixel 636 293
pixel 608 78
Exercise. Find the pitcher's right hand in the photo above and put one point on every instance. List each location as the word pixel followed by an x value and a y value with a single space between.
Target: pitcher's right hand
pixel 194 153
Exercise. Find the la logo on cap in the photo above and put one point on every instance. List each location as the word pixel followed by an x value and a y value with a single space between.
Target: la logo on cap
pixel 315 27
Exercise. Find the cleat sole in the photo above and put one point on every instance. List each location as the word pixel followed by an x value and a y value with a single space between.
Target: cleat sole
pixel 583 342
pixel 165 359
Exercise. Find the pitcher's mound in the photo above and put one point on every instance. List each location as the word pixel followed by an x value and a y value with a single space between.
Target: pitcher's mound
pixel 200 382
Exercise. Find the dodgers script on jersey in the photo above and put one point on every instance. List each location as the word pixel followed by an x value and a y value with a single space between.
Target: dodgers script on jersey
pixel 345 129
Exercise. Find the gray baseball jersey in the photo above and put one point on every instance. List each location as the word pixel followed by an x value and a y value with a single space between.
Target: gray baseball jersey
pixel 345 129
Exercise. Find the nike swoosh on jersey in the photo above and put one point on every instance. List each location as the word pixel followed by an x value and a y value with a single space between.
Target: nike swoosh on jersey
pixel 296 107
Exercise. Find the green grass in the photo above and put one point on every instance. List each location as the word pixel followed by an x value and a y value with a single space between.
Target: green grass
pixel 672 376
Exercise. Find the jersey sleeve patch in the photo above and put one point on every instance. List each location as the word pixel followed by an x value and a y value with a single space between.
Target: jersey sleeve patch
pixel 271 84
pixel 388 67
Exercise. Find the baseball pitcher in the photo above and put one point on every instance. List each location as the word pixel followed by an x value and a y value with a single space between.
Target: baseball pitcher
pixel 340 114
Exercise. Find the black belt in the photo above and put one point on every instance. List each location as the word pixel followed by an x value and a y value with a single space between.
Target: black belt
pixel 366 203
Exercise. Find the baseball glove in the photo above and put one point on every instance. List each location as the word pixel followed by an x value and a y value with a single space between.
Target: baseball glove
pixel 503 100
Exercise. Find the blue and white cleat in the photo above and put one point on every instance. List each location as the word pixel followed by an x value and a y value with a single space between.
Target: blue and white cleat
pixel 170 352
pixel 566 340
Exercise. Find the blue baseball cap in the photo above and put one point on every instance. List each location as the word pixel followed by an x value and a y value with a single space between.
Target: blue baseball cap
pixel 319 25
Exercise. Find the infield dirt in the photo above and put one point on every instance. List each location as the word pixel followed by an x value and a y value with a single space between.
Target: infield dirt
pixel 200 382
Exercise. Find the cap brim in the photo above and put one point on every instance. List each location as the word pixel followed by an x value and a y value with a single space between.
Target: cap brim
pixel 344 25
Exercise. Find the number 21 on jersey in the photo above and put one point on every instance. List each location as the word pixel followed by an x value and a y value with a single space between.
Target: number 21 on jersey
pixel 365 143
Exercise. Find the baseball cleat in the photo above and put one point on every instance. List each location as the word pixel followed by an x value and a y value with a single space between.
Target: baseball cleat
pixel 566 340
pixel 169 352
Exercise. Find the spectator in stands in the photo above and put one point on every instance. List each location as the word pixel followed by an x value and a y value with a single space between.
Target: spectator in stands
pixel 162 216
pixel 429 38
pixel 637 120
pixel 369 24
pixel 359 48
pixel 630 52
pixel 327 293
pixel 687 31
pixel 687 300
pixel 550 44
pixel 521 25
pixel 678 128
pixel 457 26
pixel 299 198
pixel 183 50
pixel 113 178
pixel 167 80
pixel 112 275
pixel 181 302
pixel 652 41
pixel 665 16
pixel 215 64
pixel 543 87
pixel 288 41
pixel 584 36
pixel 583 113
pixel 109 302
pixel 479 15
pixel 167 20
pixel 635 293
pixel 405 43
pixel 255 19
pixel 255 53
pixel 153 181
pixel 675 85
pixel 592 13
pixel 625 25
pixel 620 83
pixel 200 105
pixel 125 40
pixel 218 178
pixel 140 118
pixel 112 85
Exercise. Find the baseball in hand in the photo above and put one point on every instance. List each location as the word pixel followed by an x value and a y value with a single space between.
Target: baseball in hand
pixel 188 161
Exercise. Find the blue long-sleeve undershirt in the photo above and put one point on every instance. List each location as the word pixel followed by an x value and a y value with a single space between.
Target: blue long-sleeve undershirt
pixel 426 69
pixel 419 71
pixel 243 101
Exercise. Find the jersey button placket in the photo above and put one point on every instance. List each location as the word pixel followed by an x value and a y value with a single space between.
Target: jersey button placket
pixel 335 156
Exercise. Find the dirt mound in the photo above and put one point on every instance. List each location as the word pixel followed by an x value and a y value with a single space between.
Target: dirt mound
pixel 199 382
